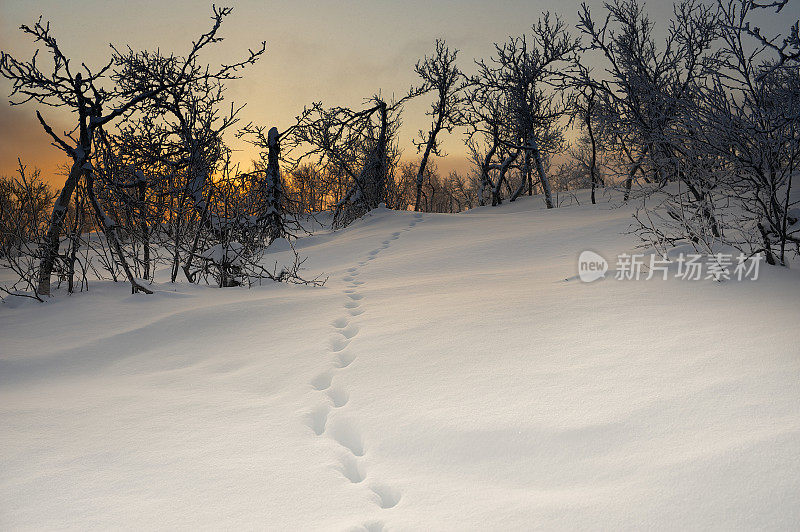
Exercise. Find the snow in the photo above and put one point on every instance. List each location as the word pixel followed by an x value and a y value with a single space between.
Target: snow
pixel 452 374
pixel 229 253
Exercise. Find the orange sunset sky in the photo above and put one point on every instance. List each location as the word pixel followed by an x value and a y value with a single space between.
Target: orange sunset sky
pixel 338 52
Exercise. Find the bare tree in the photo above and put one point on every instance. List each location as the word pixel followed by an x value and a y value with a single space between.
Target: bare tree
pixel 356 144
pixel 519 81
pixel 439 74
pixel 24 203
pixel 648 88
pixel 97 97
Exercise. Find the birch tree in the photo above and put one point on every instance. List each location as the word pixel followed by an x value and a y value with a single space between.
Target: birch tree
pixel 522 74
pixel 439 74
pixel 97 97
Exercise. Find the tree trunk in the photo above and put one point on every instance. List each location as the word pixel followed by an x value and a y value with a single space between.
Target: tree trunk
pixel 274 187
pixel 111 236
pixel 142 185
pixel 526 178
pixel 767 245
pixel 485 173
pixel 503 169
pixel 48 250
pixel 632 172
pixel 424 163
pixel 593 167
pixel 380 178
pixel 537 158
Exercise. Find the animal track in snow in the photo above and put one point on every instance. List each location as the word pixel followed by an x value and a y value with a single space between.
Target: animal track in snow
pixel 349 331
pixel 338 344
pixel 317 418
pixel 344 359
pixel 371 526
pixel 387 497
pixel 322 381
pixel 322 420
pixel 340 323
pixel 338 396
pixel 346 435
pixel 351 469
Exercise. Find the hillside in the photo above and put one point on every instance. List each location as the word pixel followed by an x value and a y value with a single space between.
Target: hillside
pixel 453 373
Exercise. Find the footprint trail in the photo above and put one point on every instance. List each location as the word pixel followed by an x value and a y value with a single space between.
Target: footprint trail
pixel 330 418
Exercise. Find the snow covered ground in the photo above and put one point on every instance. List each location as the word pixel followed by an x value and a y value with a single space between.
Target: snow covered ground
pixel 447 377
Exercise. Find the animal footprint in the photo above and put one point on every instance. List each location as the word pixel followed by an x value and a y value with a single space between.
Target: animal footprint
pixel 352 270
pixel 352 304
pixel 349 332
pixel 340 323
pixel 387 497
pixel 322 381
pixel 338 344
pixel 317 418
pixel 346 435
pixel 344 359
pixel 356 311
pixel 355 297
pixel 338 396
pixel 351 469
pixel 372 526
pixel 348 278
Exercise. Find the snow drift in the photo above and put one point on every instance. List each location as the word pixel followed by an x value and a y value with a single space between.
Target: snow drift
pixel 447 376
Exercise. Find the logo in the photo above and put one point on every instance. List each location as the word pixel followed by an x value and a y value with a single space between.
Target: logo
pixel 591 267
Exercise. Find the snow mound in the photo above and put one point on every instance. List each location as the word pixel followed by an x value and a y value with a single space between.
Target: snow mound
pixel 445 377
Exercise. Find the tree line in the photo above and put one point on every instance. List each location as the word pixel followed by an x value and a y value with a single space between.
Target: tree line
pixel 700 127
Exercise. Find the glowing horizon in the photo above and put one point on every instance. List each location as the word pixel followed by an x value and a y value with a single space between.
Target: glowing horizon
pixel 338 53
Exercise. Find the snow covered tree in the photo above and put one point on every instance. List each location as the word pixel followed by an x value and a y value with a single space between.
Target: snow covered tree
pixel 518 83
pixel 647 88
pixel 97 98
pixel 357 144
pixel 439 74
pixel 737 147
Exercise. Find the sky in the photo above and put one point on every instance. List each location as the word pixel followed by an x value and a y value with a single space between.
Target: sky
pixel 338 52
